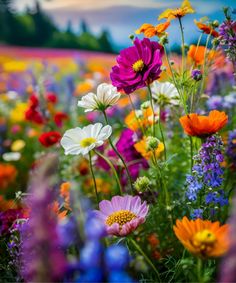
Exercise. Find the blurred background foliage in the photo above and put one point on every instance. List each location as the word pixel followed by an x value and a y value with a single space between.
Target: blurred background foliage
pixel 34 28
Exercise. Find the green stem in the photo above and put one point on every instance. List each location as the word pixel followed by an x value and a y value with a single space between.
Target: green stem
pixel 175 82
pixel 138 248
pixel 162 135
pixel 138 120
pixel 112 168
pixel 183 48
pixel 199 270
pixel 191 153
pixel 119 155
pixel 94 180
pixel 153 112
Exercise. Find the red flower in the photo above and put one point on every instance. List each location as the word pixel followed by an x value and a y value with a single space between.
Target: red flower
pixel 33 101
pixel 50 138
pixel 34 116
pixel 51 97
pixel 59 117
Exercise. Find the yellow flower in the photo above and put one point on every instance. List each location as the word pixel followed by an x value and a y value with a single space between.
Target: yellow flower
pixel 17 114
pixel 203 238
pixel 171 14
pixel 143 148
pixel 14 66
pixel 17 145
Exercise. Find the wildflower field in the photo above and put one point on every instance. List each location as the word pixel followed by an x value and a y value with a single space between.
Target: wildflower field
pixel 121 168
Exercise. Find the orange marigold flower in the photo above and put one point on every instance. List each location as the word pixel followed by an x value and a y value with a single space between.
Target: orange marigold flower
pixel 143 148
pixel 197 54
pixel 203 238
pixel 203 126
pixel 149 30
pixel 206 28
pixel 8 174
pixel 170 14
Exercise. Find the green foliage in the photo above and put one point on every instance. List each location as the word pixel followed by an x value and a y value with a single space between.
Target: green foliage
pixel 37 29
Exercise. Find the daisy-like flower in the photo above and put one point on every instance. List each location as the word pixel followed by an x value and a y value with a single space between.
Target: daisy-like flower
pixel 107 95
pixel 165 93
pixel 82 140
pixel 207 29
pixel 122 215
pixel 203 126
pixel 203 238
pixel 137 66
pixel 149 30
pixel 176 13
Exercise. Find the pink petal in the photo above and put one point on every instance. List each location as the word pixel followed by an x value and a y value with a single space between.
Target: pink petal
pixel 114 229
pixel 117 203
pixel 105 207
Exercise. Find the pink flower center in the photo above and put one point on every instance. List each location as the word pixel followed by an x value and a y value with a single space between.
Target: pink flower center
pixel 138 66
pixel 121 217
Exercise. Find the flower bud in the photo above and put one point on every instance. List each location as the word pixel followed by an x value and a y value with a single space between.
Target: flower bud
pixel 196 75
pixel 145 105
pixel 164 40
pixel 152 143
pixel 142 183
pixel 215 24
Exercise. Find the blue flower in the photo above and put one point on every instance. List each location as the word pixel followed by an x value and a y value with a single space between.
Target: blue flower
pixel 117 257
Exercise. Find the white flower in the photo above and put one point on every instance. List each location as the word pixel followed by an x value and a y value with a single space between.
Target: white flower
pixel 82 140
pixel 106 96
pixel 11 156
pixel 165 93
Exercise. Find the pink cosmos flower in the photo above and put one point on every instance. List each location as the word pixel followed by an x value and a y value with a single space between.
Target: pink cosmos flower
pixel 123 214
pixel 137 66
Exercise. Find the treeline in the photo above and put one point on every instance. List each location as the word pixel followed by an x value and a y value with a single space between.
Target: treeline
pixel 35 28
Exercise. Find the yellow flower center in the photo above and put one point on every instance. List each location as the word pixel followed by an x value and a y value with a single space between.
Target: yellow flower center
pixel 121 217
pixel 87 142
pixel 204 240
pixel 138 65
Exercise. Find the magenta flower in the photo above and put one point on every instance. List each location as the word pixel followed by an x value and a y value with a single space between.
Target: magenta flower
pixel 137 66
pixel 122 215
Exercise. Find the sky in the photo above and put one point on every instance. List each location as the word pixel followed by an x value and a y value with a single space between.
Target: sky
pixel 123 17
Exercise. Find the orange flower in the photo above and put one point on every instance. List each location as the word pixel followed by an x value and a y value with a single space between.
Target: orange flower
pixel 150 30
pixel 203 238
pixel 140 119
pixel 197 54
pixel 8 174
pixel 145 151
pixel 203 126
pixel 65 193
pixel 170 14
pixel 206 28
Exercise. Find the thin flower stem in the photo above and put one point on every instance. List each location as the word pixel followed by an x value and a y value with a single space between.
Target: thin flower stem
pixel 112 168
pixel 183 48
pixel 119 155
pixel 175 82
pixel 162 135
pixel 138 120
pixel 153 112
pixel 94 180
pixel 198 43
pixel 199 270
pixel 191 153
pixel 138 248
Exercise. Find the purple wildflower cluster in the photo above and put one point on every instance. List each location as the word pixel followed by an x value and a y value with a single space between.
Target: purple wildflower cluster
pixel 227 31
pixel 231 148
pixel 206 178
pixel 220 102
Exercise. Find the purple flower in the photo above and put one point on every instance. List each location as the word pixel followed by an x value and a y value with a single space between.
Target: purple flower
pixel 8 218
pixel 196 75
pixel 215 102
pixel 197 213
pixel 137 65
pixel 231 148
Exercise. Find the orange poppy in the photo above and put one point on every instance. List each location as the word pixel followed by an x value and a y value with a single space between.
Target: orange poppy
pixel 203 126
pixel 206 28
pixel 8 174
pixel 150 30
pixel 203 238
pixel 65 193
pixel 170 14
pixel 145 151
pixel 197 54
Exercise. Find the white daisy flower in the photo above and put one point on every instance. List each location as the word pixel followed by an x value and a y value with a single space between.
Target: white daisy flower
pixel 106 96
pixel 82 140
pixel 165 93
